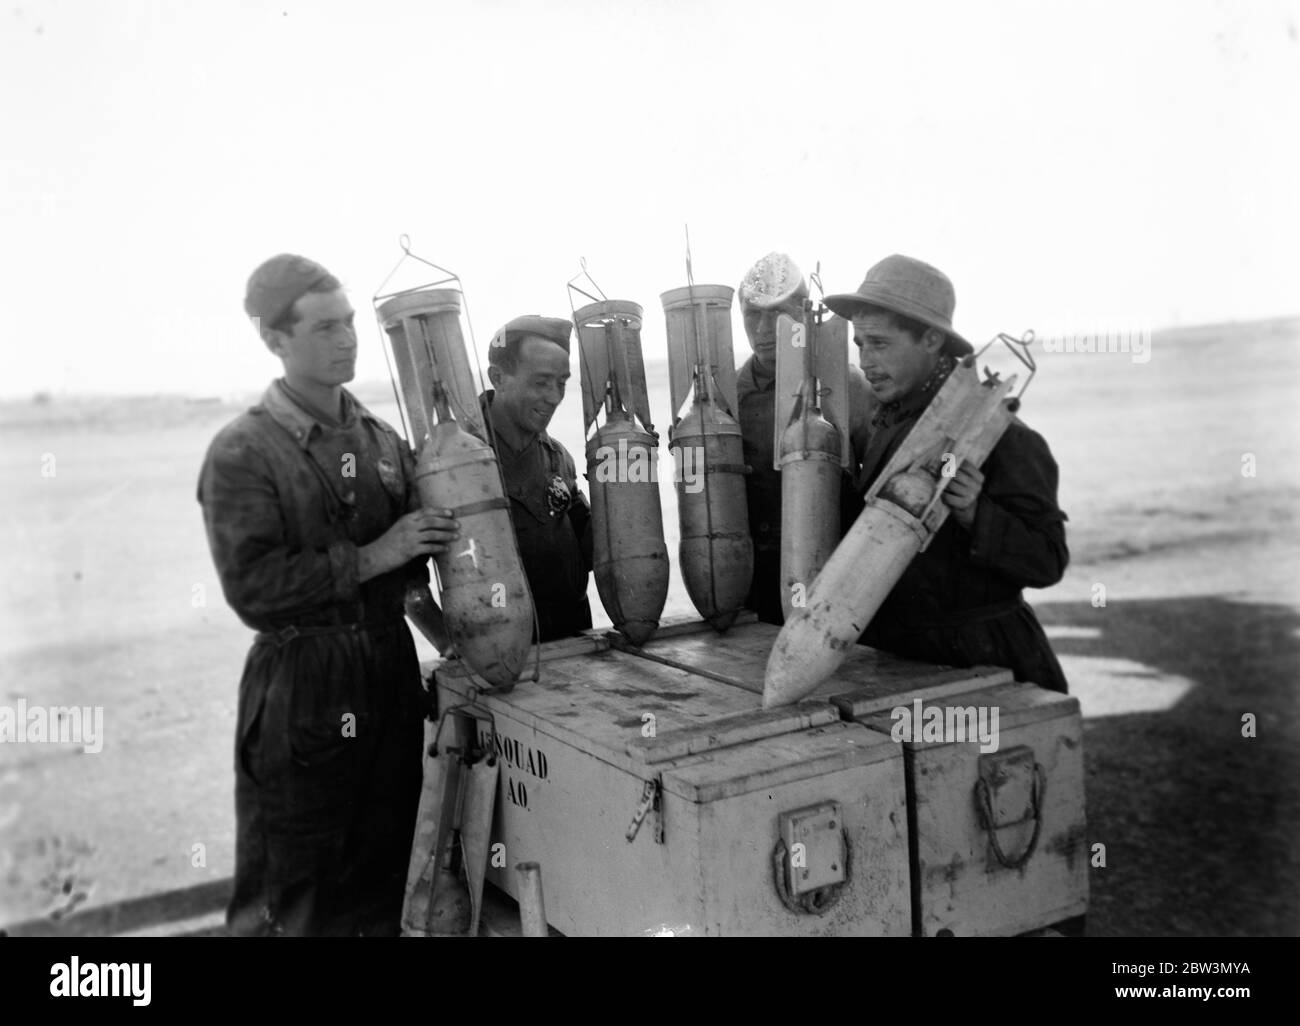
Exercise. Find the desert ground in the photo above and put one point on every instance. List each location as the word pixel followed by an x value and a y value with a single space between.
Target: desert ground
pixel 1180 477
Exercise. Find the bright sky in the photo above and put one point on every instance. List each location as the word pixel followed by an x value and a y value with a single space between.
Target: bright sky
pixel 1069 165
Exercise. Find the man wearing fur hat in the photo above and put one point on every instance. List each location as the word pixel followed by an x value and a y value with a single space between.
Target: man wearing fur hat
pixel 959 602
pixel 772 287
pixel 528 365
pixel 315 528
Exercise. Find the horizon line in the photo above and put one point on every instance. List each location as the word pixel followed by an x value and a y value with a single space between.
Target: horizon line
pixel 371 384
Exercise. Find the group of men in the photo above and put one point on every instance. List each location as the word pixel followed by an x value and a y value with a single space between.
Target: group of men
pixel 322 547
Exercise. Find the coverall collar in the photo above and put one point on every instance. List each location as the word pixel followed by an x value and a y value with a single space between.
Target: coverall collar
pixel 299 422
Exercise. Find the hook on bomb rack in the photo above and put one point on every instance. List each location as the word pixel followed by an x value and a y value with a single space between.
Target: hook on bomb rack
pixel 584 273
pixel 404 241
pixel 1020 350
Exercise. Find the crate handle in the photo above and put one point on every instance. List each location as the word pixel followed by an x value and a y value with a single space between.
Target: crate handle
pixel 985 805
pixel 814 903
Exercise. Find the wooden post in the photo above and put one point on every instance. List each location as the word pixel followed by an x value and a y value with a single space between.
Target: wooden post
pixel 532 913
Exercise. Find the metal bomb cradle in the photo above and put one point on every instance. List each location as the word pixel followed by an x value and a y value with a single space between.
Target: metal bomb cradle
pixel 813 446
pixel 640 770
pixel 716 554
pixel 630 558
pixel 484 594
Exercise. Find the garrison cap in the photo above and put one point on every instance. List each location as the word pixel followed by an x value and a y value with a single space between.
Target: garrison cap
pixel 278 283
pixel 553 329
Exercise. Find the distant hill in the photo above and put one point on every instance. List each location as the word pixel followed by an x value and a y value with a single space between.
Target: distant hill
pixel 67 409
pixel 1280 327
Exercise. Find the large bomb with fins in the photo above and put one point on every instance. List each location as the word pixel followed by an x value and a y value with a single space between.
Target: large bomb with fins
pixel 903 511
pixel 484 594
pixel 716 555
pixel 630 559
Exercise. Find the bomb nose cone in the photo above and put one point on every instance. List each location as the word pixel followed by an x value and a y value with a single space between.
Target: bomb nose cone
pixel 501 677
pixel 801 658
pixel 720 622
pixel 638 631
pixel 783 689
pixel 778 688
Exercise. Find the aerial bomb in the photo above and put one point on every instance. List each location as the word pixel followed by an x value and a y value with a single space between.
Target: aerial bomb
pixel 716 554
pixel 484 594
pixel 903 511
pixel 630 559
pixel 813 450
pixel 809 457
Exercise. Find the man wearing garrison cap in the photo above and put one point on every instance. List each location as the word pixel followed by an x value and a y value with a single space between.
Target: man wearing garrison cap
pixel 528 365
pixel 959 602
pixel 318 537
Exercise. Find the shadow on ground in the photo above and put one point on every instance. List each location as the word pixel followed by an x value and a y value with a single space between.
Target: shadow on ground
pixel 1201 825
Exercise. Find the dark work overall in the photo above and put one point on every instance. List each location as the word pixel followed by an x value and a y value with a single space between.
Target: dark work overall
pixel 327 780
pixel 552 525
pixel 329 730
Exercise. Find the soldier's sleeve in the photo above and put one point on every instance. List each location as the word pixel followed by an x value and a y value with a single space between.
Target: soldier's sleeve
pixel 260 574
pixel 579 513
pixel 1019 531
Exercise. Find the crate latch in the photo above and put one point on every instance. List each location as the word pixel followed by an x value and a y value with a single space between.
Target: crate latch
pixel 812 859
pixel 1010 791
pixel 651 800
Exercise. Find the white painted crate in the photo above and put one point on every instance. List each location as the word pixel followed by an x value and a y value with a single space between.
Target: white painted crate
pixel 959 884
pixel 574 764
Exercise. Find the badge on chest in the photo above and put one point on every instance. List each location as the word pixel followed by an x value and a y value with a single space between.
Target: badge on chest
pixel 558 496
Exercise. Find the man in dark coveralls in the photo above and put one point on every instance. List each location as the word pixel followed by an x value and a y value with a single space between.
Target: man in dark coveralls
pixel 959 602
pixel 315 528
pixel 756 396
pixel 528 365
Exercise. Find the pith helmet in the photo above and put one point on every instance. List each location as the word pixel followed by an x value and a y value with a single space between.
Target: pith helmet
pixel 771 281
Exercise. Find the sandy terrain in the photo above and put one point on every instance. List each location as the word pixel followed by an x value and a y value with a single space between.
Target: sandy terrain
pixel 110 599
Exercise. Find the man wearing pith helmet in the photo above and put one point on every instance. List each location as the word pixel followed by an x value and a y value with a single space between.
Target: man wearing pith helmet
pixel 959 602
pixel 317 534
pixel 528 365
pixel 773 286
